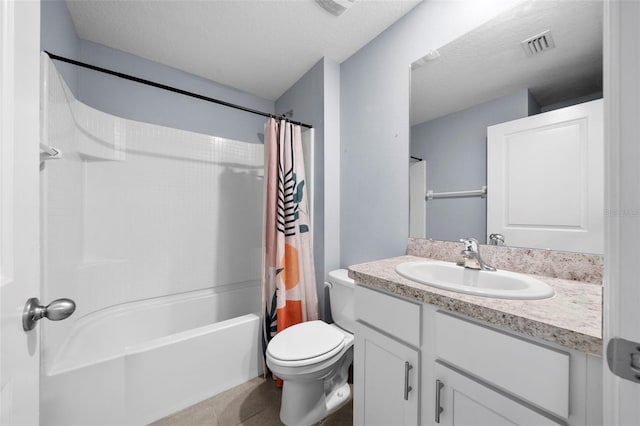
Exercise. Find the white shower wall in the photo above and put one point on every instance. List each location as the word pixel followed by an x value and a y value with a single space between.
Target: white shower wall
pixel 135 211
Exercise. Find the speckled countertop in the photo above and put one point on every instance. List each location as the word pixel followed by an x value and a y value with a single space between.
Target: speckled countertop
pixel 571 318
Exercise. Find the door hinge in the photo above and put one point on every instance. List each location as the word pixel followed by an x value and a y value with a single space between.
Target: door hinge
pixel 623 358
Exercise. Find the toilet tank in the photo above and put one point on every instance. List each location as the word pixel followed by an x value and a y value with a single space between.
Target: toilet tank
pixel 341 291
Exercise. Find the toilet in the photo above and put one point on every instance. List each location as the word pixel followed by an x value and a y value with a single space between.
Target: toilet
pixel 313 359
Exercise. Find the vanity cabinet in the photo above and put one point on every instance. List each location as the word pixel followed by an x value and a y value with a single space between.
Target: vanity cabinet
pixel 477 373
pixel 386 360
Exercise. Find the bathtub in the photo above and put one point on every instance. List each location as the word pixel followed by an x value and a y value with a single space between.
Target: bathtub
pixel 138 362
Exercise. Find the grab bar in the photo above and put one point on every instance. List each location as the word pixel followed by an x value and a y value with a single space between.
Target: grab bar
pixel 478 192
pixel 49 152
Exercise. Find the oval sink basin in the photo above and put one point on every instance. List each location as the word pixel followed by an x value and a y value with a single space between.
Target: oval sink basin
pixel 496 284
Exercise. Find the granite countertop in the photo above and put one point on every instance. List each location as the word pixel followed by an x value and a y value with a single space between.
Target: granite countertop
pixel 571 318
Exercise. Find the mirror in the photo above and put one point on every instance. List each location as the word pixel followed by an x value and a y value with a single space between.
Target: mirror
pixel 486 77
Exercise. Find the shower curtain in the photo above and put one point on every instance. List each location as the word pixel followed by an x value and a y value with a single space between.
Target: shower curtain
pixel 288 282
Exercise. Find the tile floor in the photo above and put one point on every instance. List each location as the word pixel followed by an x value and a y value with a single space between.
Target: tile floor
pixel 256 402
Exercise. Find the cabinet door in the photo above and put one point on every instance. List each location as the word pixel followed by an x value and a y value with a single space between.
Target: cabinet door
pixel 386 376
pixel 467 402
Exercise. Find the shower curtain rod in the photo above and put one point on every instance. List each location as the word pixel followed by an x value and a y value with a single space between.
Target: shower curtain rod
pixel 173 89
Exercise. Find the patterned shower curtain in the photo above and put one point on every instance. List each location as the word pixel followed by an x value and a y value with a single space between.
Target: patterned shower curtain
pixel 288 284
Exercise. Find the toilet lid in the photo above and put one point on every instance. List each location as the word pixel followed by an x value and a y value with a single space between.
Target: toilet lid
pixel 305 340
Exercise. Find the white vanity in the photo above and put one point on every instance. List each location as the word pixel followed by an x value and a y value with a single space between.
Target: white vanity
pixel 428 356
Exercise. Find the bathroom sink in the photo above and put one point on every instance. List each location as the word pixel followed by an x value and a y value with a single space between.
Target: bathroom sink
pixel 497 284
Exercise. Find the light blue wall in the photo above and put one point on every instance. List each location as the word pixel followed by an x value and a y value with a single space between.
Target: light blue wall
pixel 331 165
pixel 375 125
pixel 455 149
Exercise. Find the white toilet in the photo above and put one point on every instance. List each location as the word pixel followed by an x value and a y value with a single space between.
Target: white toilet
pixel 313 359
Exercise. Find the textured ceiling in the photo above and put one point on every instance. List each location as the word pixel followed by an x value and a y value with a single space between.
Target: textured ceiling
pixel 489 62
pixel 258 46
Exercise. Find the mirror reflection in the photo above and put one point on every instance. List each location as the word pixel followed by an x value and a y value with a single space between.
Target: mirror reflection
pixel 536 180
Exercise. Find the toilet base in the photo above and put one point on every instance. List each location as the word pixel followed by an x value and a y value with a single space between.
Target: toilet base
pixel 318 406
pixel 305 402
pixel 338 399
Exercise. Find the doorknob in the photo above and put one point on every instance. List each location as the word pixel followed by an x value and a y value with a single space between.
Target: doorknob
pixel 55 311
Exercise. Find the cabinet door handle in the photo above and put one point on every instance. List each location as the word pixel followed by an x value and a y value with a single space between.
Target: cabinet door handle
pixel 407 388
pixel 439 409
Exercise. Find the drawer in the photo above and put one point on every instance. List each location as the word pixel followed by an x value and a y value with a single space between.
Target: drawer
pixel 397 317
pixel 533 372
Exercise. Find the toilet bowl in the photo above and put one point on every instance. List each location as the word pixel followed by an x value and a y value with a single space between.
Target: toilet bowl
pixel 313 359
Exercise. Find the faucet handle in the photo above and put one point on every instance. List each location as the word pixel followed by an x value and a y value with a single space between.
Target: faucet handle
pixel 470 244
pixel 496 239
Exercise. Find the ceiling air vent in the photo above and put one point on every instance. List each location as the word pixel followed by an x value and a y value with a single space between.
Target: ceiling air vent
pixel 538 43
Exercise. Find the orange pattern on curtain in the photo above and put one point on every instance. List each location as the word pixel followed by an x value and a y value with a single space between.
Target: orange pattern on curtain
pixel 288 282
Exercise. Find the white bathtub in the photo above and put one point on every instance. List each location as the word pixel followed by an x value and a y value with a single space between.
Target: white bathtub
pixel 138 362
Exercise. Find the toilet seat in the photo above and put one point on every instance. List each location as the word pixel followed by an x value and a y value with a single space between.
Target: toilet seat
pixel 304 344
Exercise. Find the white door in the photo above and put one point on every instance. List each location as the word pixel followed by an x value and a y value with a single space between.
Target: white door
pixel 545 180
pixel 19 201
pixel 622 282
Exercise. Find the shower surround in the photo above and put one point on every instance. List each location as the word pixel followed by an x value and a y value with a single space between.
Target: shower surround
pixel 156 234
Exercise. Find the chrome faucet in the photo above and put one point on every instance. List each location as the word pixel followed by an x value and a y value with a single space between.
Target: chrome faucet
pixel 471 255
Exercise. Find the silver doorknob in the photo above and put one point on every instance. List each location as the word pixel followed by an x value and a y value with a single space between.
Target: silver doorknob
pixel 55 311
